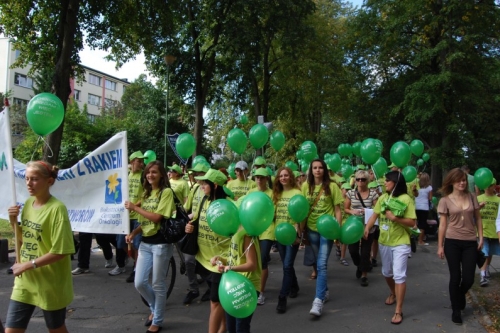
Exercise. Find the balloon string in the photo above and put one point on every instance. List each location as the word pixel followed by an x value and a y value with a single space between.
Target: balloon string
pixel 230 262
pixel 51 152
pixel 36 146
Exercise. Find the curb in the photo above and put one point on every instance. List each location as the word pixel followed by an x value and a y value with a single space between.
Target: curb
pixel 483 315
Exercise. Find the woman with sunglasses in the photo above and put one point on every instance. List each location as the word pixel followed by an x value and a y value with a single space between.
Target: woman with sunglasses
pixel 356 201
pixel 325 197
pixel 394 241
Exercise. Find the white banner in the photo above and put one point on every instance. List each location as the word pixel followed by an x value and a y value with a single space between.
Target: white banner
pixel 93 190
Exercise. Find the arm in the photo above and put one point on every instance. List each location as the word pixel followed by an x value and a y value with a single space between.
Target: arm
pixel 430 196
pixel 443 221
pixel 153 217
pixel 250 256
pixel 44 260
pixel 401 220
pixel 479 228
pixel 347 207
pixel 135 232
pixel 338 214
pixel 370 224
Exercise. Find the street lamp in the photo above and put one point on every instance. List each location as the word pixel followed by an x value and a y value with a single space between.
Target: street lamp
pixel 169 60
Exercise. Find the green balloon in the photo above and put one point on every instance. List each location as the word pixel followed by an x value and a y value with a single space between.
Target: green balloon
pixel 277 140
pixel 417 147
pixel 298 208
pixel 258 136
pixel 380 167
pixel 435 201
pixel 223 218
pixel 334 162
pixel 328 227
pixel 356 148
pixel 420 162
pixel 426 157
pixel 370 151
pixel 352 230
pixel 344 149
pixel 243 119
pixel 304 165
pixel 285 233
pixel 309 151
pixel 185 145
pixel 400 154
pixel 292 165
pixel 45 113
pixel 199 159
pixel 256 213
pixel 150 156
pixel 347 170
pixel 483 177
pixel 230 170
pixel 237 295
pixel 410 173
pixel 237 140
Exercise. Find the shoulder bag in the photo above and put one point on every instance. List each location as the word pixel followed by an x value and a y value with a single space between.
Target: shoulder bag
pixel 173 229
pixel 189 243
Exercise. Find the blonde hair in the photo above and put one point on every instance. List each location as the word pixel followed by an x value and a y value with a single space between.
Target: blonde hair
pixel 424 180
pixel 46 169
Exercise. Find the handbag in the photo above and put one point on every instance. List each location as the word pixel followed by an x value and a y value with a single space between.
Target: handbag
pixel 173 229
pixel 189 243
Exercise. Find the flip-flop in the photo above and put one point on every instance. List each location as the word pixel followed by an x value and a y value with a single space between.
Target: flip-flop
pixel 397 322
pixel 393 297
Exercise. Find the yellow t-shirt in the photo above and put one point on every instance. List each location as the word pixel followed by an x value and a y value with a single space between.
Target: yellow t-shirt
pixel 194 199
pixel 135 191
pixel 240 187
pixel 163 205
pixel 210 244
pixel 392 233
pixel 325 204
pixel 237 256
pixel 489 214
pixel 181 188
pixel 45 230
pixel 282 215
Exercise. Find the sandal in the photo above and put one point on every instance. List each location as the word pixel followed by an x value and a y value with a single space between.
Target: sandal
pixel 344 262
pixel 397 322
pixel 388 300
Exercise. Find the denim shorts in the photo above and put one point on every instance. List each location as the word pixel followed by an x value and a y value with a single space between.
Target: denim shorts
pixel 19 315
pixel 491 246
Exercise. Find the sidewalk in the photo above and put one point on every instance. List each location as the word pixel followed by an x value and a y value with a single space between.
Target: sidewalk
pixel 106 303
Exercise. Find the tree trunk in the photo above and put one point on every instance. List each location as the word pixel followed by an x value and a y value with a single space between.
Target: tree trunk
pixel 61 88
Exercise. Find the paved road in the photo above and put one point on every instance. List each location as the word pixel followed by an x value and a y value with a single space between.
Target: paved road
pixel 107 304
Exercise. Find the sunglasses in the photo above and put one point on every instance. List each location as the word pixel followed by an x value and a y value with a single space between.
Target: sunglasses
pixel 361 179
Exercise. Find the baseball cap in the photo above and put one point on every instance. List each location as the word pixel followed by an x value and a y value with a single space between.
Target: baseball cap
pixel 261 172
pixel 241 165
pixel 361 167
pixel 176 168
pixel 392 165
pixel 493 181
pixel 347 186
pixel 259 160
pixel 296 174
pixel 372 184
pixel 137 154
pixel 215 176
pixel 200 167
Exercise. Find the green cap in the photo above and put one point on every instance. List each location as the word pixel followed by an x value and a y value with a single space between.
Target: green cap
pixel 200 167
pixel 259 160
pixel 347 186
pixel 296 174
pixel 493 181
pixel 215 176
pixel 372 184
pixel 392 165
pixel 176 168
pixel 261 172
pixel 361 167
pixel 137 154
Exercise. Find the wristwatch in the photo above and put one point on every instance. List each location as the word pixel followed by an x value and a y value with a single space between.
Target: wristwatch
pixel 33 262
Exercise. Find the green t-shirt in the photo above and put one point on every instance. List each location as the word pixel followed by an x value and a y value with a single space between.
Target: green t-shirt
pixel 194 199
pixel 269 232
pixel 391 233
pixel 237 256
pixel 134 191
pixel 45 230
pixel 240 187
pixel 210 244
pixel 282 215
pixel 181 188
pixel 325 204
pixel 489 214
pixel 163 205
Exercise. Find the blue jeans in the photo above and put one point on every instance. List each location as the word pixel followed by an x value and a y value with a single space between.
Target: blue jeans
pixel 153 260
pixel 287 255
pixel 238 325
pixel 322 248
pixel 265 249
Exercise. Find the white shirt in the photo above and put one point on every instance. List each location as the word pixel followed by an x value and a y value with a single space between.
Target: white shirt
pixel 422 200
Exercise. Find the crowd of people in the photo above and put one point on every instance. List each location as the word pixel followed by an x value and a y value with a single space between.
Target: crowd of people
pixel 392 209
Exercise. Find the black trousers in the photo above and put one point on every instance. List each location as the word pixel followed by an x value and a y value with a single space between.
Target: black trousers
pixel 105 241
pixel 461 257
pixel 360 253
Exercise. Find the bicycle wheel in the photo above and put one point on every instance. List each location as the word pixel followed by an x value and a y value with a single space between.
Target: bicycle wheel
pixel 169 279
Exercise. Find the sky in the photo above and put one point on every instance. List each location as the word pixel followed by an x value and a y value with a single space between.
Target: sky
pixel 132 69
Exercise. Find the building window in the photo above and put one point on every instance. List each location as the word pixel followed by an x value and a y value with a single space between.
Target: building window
pixel 110 85
pixel 17 53
pixel 124 88
pixel 23 80
pixel 76 94
pixel 109 103
pixel 94 100
pixel 95 80
pixel 91 118
pixel 20 102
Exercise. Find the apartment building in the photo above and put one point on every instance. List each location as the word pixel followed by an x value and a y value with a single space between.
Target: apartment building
pixel 99 90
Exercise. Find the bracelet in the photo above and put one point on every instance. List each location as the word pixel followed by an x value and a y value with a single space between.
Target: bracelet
pixel 33 262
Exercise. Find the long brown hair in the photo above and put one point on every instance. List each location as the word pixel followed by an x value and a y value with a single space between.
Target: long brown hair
pixel 278 187
pixel 424 180
pixel 453 176
pixel 325 181
pixel 164 183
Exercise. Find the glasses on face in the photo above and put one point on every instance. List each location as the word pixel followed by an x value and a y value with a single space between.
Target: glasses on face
pixel 361 179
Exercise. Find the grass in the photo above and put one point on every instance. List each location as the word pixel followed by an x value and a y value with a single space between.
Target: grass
pixel 489 298
pixel 6 232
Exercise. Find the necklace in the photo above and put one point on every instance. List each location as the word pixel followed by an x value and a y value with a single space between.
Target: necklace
pixel 462 205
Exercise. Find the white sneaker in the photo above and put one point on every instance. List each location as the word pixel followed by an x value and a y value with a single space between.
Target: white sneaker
pixel 109 263
pixel 261 300
pixel 317 307
pixel 483 282
pixel 78 271
pixel 327 296
pixel 117 271
pixel 487 274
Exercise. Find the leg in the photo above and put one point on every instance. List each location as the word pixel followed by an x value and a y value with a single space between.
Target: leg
pixel 84 251
pixel 387 272
pixel 265 249
pixel 453 252
pixel 142 271
pixel 121 250
pixel 55 320
pixel 365 263
pixel 374 255
pixel 322 247
pixel 104 241
pixel 288 254
pixel 400 264
pixel 161 257
pixel 194 291
pixel 217 320
pixel 354 252
pixel 469 257
pixel 18 317
pixel 230 323
pixel 243 324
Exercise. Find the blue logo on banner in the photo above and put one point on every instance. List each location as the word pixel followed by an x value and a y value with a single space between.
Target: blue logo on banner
pixel 113 190
pixel 172 138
